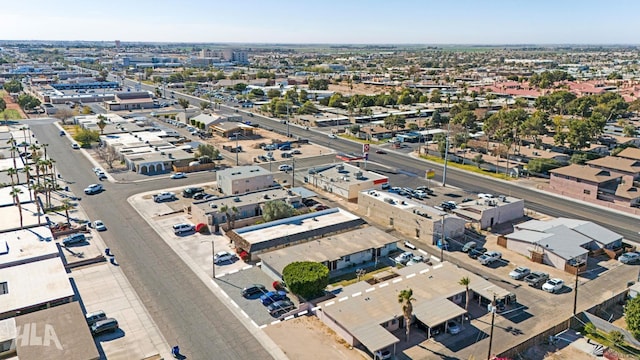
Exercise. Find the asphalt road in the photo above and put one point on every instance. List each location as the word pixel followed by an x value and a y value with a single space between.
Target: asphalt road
pixel 182 306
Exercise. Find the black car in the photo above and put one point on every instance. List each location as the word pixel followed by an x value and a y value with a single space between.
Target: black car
pixel 190 192
pixel 280 307
pixel 253 290
pixel 475 253
pixel 199 196
pixel 103 326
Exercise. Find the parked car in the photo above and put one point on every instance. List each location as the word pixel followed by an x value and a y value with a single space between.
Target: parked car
pixel 416 260
pixel 629 258
pixel 273 296
pixel 321 207
pixel 75 146
pixel 553 285
pixel 93 189
pixel 383 355
pixel 223 256
pixel 280 307
pixel 189 192
pixel 253 290
pixel 489 257
pixel 469 246
pixel 101 176
pixel 285 167
pixel 332 136
pixel 99 225
pixel 179 175
pixel 199 196
pixel 164 196
pixel 386 186
pixel 519 273
pixel 103 326
pixel 453 328
pixel 404 258
pixel 95 316
pixel 182 228
pixel 476 253
pixel 536 279
pixel 74 239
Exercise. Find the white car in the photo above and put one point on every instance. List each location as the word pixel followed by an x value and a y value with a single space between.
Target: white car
pixel 75 146
pixel 404 258
pixel 332 136
pixel 553 285
pixel 179 175
pixel 489 257
pixel 182 228
pixel 93 189
pixel 164 196
pixel 285 167
pixel 519 273
pixel 99 225
pixel 416 260
pixel 223 256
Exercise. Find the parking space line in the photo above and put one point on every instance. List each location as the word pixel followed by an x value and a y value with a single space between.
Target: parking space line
pixel 424 271
pixel 315 308
pixel 303 313
pixel 261 326
pixel 436 258
pixel 235 304
pixel 247 267
pixel 232 272
pixel 370 289
pixel 329 303
pixel 343 299
pixel 244 313
pixel 410 276
pixel 383 285
pixel 437 266
pixel 289 317
pixel 423 252
pixel 397 280
pixel 357 294
pixel 275 322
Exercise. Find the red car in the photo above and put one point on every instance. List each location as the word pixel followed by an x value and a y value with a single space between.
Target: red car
pixel 321 207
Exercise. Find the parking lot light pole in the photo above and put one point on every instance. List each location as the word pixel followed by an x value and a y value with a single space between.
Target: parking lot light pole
pixel 442 238
pixel 237 150
pixel 493 319
pixel 213 259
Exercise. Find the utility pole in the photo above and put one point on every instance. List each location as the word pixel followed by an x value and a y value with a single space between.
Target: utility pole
pixel 237 150
pixel 293 172
pixel 213 260
pixel 442 238
pixel 446 156
pixel 288 134
pixel 575 291
pixel 493 319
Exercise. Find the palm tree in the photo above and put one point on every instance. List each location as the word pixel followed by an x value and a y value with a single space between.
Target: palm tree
pixel 234 215
pixel 16 201
pixel 185 104
pixel 11 172
pixel 66 206
pixel 465 281
pixel 26 169
pixel 405 297
pixel 102 123
pixel 44 146
pixel 34 150
pixel 36 188
pixel 225 209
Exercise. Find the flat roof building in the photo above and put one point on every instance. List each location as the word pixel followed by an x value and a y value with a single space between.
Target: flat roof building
pixel 242 179
pixel 345 180
pixel 336 252
pixel 262 238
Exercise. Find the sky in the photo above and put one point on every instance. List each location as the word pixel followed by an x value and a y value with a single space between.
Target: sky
pixel 326 22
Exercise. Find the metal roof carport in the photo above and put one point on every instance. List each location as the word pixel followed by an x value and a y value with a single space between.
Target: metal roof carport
pixel 375 337
pixel 437 311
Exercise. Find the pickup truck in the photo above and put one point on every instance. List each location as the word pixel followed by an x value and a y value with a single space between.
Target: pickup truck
pixel 536 279
pixel 489 257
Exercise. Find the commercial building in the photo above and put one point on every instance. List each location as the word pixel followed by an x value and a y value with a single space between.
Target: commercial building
pixel 415 220
pixel 130 101
pixel 561 242
pixel 243 208
pixel 486 213
pixel 344 180
pixel 242 179
pixel 336 252
pixel 259 239
pixel 370 314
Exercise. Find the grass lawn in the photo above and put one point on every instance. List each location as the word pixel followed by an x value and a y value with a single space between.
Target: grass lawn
pixel 11 114
pixel 466 167
pixel 352 278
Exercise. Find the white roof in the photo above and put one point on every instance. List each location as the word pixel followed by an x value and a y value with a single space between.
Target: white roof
pixel 34 283
pixel 25 245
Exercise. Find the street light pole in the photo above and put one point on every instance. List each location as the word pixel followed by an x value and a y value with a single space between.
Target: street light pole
pixel 293 172
pixel 442 238
pixel 213 260
pixel 237 150
pixel 446 156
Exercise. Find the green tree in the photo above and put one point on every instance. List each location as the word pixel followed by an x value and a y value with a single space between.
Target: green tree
pixel 478 160
pixel 354 129
pixel 632 316
pixel 465 118
pixel 307 108
pixel 436 96
pixel 616 337
pixel 3 105
pixel 208 150
pixel 86 110
pixel 239 87
pixel 413 126
pixel 204 105
pixel 542 166
pixel 465 281
pixel 273 93
pixel 629 131
pixel 66 206
pixel 275 210
pixel 590 329
pixel 86 137
pixel 257 92
pixel 28 102
pixel 13 86
pixel 579 134
pixel 306 279
pixel 321 84
pixel 405 297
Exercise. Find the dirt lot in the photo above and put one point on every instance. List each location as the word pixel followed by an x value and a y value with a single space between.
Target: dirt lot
pixel 307 338
pixel 359 89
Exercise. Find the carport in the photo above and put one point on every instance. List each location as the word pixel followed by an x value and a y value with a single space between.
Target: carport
pixel 446 310
pixel 487 290
pixel 375 338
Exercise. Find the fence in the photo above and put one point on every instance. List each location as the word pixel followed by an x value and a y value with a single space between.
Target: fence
pixel 536 340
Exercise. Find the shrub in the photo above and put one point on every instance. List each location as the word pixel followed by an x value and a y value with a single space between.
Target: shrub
pixel 306 279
